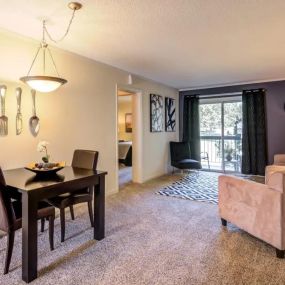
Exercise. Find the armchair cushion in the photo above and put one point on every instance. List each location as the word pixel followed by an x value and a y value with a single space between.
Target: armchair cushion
pixel 187 164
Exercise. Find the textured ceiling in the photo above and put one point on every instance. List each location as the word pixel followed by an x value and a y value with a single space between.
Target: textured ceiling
pixel 182 43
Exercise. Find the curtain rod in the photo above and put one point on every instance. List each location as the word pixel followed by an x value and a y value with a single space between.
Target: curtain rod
pixel 229 94
pixel 220 95
pixel 211 96
pixel 255 90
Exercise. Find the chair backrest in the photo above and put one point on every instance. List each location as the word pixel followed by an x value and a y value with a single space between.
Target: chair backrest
pixel 7 215
pixel 179 151
pixel 86 159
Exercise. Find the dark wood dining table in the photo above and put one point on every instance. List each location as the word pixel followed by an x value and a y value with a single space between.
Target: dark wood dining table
pixel 34 188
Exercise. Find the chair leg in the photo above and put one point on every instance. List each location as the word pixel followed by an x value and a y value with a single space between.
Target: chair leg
pixel 90 213
pixel 9 250
pixel 71 212
pixel 62 223
pixel 224 222
pixel 51 232
pixel 42 225
pixel 280 253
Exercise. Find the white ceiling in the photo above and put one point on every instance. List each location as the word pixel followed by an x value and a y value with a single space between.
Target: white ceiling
pixel 182 43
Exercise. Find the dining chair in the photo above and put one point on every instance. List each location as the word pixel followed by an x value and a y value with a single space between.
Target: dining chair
pixel 86 159
pixel 11 218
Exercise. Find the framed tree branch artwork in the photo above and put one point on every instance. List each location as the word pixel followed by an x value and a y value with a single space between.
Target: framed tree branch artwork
pixel 170 121
pixel 156 113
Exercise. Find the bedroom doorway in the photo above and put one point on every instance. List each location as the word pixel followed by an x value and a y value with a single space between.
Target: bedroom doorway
pixel 129 137
pixel 125 136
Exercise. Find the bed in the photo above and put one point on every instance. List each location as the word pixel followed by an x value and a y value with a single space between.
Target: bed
pixel 125 152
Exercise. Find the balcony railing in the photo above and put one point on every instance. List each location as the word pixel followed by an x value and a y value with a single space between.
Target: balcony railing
pixel 212 153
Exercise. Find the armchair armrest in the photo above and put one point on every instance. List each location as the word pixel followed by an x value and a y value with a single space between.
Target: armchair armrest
pixel 279 159
pixel 276 181
pixel 241 189
pixel 271 169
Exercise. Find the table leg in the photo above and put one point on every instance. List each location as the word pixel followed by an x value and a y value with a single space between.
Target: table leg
pixel 29 237
pixel 99 209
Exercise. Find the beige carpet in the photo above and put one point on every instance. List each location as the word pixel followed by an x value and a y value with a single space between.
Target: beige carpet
pixel 151 239
pixel 125 175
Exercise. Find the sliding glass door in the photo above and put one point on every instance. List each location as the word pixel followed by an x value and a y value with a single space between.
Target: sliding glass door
pixel 220 133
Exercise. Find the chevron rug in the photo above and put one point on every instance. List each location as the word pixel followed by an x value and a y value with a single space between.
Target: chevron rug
pixel 200 186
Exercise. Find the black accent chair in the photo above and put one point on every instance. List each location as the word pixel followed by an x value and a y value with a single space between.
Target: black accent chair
pixel 181 156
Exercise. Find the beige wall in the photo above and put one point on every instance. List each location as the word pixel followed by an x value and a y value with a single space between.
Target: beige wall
pixel 156 156
pixel 81 114
pixel 124 107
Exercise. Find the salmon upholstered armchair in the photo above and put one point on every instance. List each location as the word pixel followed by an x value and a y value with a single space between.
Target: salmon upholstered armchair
pixel 257 208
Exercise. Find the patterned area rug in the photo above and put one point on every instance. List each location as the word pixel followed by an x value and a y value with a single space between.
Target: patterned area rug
pixel 201 186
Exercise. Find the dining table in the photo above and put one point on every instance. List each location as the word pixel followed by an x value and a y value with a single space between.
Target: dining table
pixel 34 188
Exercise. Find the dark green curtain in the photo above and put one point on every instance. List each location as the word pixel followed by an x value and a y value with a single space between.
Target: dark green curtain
pixel 254 134
pixel 191 125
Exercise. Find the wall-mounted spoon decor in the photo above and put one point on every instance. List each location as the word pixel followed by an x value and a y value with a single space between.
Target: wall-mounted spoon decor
pixel 34 120
pixel 3 118
pixel 19 120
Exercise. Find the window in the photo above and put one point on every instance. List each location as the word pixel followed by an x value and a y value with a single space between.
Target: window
pixel 220 133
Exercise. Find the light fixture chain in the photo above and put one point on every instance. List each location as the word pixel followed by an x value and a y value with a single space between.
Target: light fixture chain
pixel 53 61
pixel 44 31
pixel 66 32
pixel 44 60
pixel 43 83
pixel 34 60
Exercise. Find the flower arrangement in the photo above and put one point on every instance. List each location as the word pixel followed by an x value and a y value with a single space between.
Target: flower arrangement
pixel 42 147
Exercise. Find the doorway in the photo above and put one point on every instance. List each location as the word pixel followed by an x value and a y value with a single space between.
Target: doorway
pixel 129 136
pixel 125 136
pixel 220 133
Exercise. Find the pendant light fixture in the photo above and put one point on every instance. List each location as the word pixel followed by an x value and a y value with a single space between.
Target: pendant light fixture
pixel 43 82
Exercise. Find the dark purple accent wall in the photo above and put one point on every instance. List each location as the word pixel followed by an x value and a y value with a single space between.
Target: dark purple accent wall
pixel 275 100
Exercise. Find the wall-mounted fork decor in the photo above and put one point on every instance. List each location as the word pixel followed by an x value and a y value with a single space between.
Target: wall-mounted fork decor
pixel 19 120
pixel 34 120
pixel 3 118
